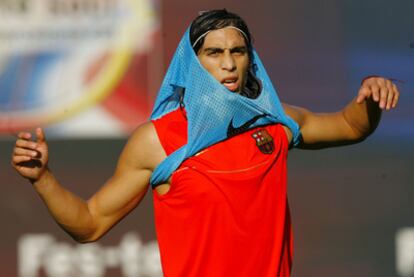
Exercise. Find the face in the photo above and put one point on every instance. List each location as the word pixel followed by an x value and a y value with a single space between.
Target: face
pixel 224 55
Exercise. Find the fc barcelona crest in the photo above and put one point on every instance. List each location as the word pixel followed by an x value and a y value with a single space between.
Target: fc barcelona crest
pixel 264 141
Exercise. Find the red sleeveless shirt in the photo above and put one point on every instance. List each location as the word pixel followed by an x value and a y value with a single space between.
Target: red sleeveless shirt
pixel 226 213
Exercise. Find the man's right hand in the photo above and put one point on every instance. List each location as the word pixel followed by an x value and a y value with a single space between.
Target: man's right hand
pixel 87 221
pixel 30 157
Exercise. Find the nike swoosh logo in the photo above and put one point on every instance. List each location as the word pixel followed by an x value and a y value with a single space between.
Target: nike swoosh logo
pixel 232 131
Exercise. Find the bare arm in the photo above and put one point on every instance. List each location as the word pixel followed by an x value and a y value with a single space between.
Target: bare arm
pixel 353 123
pixel 88 220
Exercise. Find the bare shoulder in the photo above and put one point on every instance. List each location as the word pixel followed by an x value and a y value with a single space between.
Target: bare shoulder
pixel 143 149
pixel 297 114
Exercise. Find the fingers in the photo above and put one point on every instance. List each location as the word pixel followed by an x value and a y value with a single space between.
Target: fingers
pixel 363 94
pixel 375 93
pixel 24 139
pixel 27 144
pixel 381 90
pixel 40 135
pixel 24 135
pixel 26 149
pixel 30 155
pixel 395 100
pixel 25 152
pixel 16 160
pixel 384 93
pixel 392 98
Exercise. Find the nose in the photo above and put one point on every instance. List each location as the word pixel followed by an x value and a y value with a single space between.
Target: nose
pixel 228 63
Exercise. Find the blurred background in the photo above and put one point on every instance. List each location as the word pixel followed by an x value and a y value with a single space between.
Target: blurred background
pixel 88 71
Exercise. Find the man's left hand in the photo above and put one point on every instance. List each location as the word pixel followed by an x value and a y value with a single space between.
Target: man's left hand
pixel 381 90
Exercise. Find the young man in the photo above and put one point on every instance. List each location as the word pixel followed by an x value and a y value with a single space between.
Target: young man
pixel 215 152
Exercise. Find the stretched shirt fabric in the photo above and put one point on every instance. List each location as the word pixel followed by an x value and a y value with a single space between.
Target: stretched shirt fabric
pixel 212 110
pixel 226 213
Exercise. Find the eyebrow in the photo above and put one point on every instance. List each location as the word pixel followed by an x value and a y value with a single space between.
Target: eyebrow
pixel 218 49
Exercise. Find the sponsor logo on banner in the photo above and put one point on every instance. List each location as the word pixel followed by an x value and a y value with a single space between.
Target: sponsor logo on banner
pixel 42 253
pixel 77 67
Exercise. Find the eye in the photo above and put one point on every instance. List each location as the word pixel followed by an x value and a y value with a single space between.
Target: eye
pixel 239 51
pixel 213 52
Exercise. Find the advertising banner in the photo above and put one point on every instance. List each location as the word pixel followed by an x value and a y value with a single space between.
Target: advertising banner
pixel 79 68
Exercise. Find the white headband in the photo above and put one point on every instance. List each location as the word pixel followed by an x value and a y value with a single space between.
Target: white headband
pixel 206 33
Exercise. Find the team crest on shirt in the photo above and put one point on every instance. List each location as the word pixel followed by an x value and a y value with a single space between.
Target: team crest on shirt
pixel 264 141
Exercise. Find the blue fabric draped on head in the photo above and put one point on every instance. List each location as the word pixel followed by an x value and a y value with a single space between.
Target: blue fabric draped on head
pixel 211 108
